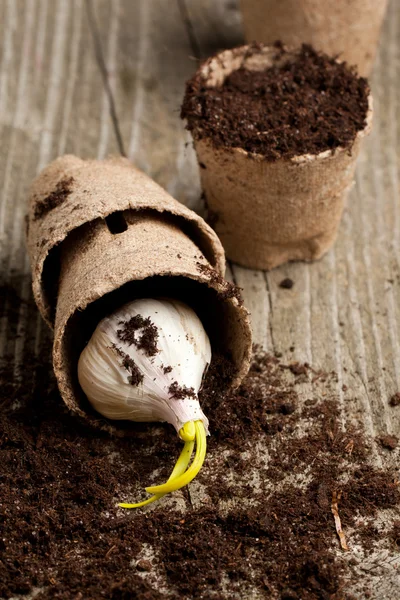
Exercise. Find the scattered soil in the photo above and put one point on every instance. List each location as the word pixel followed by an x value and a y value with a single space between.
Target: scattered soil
pixel 390 442
pixel 179 392
pixel 229 290
pixel 135 375
pixel 298 368
pixel 304 106
pixel 56 198
pixel 257 524
pixel 146 341
pixel 287 283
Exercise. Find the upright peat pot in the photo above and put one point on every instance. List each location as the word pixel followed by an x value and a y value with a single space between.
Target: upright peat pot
pixel 131 281
pixel 348 29
pixel 277 133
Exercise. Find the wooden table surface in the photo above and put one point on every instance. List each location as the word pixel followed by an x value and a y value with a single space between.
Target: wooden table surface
pixel 101 77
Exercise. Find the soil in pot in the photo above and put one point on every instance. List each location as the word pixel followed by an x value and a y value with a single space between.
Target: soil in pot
pixel 307 105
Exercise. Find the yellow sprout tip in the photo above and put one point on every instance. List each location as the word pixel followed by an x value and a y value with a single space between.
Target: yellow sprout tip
pixel 140 504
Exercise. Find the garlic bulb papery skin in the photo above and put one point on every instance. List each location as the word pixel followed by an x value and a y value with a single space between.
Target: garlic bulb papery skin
pixel 183 350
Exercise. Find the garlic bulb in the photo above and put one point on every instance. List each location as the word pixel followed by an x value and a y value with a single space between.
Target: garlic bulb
pixel 146 362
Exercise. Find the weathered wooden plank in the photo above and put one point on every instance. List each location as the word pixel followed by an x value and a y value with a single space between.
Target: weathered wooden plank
pixel 51 102
pixel 147 84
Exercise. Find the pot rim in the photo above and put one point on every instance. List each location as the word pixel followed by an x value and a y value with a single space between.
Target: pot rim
pixel 245 52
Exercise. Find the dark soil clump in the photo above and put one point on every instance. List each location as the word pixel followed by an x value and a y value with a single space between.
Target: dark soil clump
pixel 286 283
pixel 146 341
pixel 307 105
pixel 135 375
pixel 179 392
pixel 390 442
pixel 56 198
pixel 395 399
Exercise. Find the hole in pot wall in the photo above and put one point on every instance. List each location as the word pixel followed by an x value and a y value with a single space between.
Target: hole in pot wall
pixel 116 223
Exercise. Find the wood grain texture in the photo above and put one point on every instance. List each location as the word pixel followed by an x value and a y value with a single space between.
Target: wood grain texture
pixel 51 102
pixel 95 77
